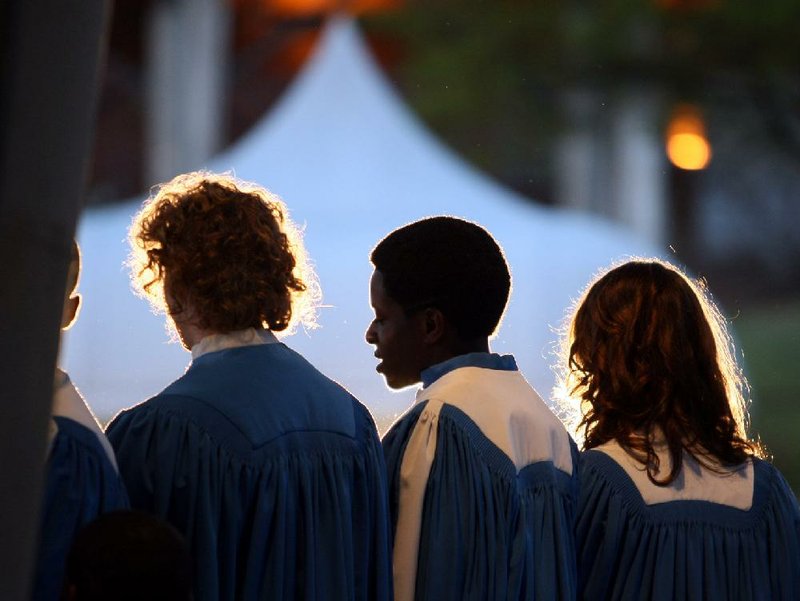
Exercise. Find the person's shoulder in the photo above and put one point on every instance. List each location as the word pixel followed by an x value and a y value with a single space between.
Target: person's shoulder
pixel 308 374
pixel 365 425
pixel 596 460
pixel 274 368
pixel 498 399
pixel 244 398
pixel 150 406
pixel 598 470
pixel 503 416
pixel 83 459
pixel 69 427
pixel 408 418
pixel 772 484
pixel 402 427
pixel 78 436
pixel 765 469
pixel 161 406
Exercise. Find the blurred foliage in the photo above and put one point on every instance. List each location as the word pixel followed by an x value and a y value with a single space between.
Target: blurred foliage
pixel 488 75
pixel 769 337
pixel 490 78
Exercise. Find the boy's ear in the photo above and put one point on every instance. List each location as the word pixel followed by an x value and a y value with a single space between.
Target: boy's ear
pixel 434 324
pixel 72 307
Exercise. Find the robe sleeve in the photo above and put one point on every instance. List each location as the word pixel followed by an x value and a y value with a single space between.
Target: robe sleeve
pixel 785 544
pixel 173 470
pixel 411 478
pixel 374 559
pixel 81 483
pixel 553 502
pixel 149 447
pixel 394 446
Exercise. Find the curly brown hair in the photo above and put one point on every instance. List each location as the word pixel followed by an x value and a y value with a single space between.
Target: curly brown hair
pixel 648 355
pixel 224 249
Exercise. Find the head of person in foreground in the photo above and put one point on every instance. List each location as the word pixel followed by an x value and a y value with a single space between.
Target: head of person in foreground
pixel 649 360
pixel 439 290
pixel 128 555
pixel 220 255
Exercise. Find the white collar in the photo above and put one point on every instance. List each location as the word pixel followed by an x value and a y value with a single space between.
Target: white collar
pixel 219 342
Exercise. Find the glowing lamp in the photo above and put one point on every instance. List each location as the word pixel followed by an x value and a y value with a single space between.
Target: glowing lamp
pixel 305 8
pixel 687 145
pixel 302 7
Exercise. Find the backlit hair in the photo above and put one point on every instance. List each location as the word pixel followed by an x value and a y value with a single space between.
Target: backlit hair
pixel 647 355
pixel 227 252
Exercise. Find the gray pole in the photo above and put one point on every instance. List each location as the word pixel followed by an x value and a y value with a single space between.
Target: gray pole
pixel 187 48
pixel 51 56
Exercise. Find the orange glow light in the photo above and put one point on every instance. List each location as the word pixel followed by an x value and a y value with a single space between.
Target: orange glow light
pixel 687 145
pixel 301 8
pixel 320 7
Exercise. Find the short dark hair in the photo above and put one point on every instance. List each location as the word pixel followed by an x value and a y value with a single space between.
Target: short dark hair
pixel 447 263
pixel 228 249
pixel 648 351
pixel 129 555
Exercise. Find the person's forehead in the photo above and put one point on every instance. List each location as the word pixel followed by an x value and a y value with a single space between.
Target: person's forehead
pixel 377 291
pixel 376 279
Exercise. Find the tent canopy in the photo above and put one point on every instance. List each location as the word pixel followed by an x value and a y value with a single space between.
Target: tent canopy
pixel 352 163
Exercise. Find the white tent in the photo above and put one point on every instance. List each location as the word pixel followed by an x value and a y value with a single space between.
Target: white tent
pixel 351 163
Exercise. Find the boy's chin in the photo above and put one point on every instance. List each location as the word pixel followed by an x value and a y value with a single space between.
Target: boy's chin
pixel 399 383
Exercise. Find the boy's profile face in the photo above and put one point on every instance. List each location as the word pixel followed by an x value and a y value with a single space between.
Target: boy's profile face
pixel 398 338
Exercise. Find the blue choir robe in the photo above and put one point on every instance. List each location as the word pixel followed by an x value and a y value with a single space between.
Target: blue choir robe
pixel 706 536
pixel 81 482
pixel 272 472
pixel 482 488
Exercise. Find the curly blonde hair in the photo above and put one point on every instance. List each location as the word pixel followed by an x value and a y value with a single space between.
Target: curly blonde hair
pixel 226 250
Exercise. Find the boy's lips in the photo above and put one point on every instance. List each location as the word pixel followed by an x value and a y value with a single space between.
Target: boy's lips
pixel 377 355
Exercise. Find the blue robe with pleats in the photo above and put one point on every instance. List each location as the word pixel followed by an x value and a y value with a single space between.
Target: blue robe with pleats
pixel 272 472
pixel 684 549
pixel 81 483
pixel 490 530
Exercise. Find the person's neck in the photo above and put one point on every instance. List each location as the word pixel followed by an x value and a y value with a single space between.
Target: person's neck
pixel 458 347
pixel 190 334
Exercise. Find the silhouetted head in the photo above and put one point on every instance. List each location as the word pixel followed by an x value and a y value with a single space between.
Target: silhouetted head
pixel 221 255
pixel 439 289
pixel 127 556
pixel 649 357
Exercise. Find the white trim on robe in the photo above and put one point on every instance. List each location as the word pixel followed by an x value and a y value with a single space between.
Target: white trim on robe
pixel 508 412
pixel 733 487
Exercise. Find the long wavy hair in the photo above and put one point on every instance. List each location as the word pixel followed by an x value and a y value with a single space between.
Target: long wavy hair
pixel 650 362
